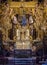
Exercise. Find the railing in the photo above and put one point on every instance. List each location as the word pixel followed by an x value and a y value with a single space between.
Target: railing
pixel 19 61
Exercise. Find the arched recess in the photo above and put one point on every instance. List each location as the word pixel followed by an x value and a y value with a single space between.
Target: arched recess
pixel 1 36
pixel 10 34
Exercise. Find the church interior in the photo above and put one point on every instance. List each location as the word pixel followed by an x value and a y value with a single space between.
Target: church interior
pixel 23 32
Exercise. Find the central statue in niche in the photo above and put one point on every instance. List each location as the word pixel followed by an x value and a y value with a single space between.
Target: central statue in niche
pixel 23 32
